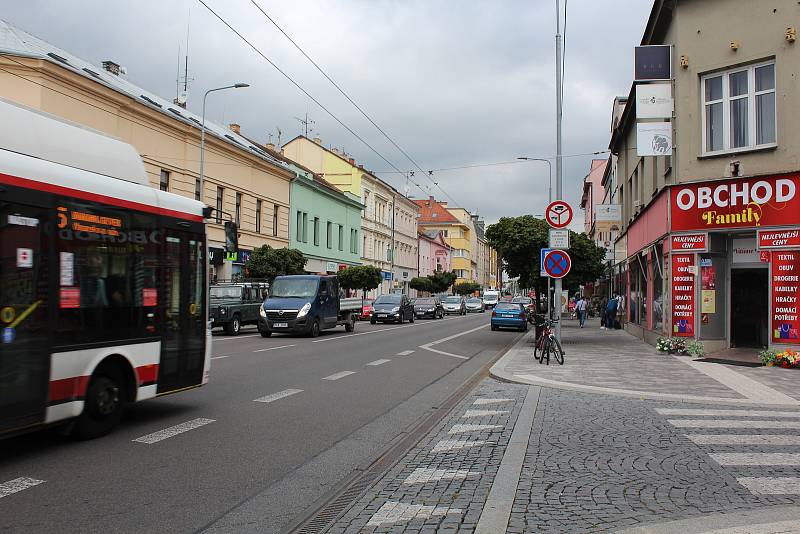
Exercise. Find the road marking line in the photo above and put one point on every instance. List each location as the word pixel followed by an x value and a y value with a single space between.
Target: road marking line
pixel 745 386
pixel 220 357
pixel 460 429
pixel 397 512
pixel 337 376
pixel 17 485
pixel 497 510
pixel 405 353
pixel 347 336
pixel 744 439
pixel 274 348
pixel 756 458
pixel 731 423
pixel 429 346
pixel 378 362
pixel 771 485
pixel 421 475
pixel 726 413
pixel 482 413
pixel 155 437
pixel 481 402
pixel 233 338
pixel 279 395
pixel 456 444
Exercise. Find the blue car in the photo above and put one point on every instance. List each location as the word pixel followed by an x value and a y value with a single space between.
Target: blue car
pixel 509 315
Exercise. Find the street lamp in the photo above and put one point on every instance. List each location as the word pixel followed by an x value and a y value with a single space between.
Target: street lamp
pixel 203 131
pixel 549 199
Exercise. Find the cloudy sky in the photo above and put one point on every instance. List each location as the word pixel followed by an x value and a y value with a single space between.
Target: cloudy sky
pixel 454 82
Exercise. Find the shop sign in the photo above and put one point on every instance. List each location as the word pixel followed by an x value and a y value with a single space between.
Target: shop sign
pixel 654 101
pixel 652 62
pixel 331 266
pixel 653 139
pixel 683 270
pixel 241 256
pixel 216 256
pixel 737 203
pixel 608 213
pixel 765 256
pixel 387 275
pixel 744 251
pixel 708 290
pixel 778 239
pixel 785 281
pixel 686 242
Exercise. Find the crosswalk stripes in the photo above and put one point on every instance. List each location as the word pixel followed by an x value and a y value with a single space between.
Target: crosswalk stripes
pixel 759 442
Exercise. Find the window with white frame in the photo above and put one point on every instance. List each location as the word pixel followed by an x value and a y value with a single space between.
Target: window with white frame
pixel 739 109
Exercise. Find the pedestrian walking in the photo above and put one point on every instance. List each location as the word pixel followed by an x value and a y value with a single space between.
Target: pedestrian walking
pixel 580 309
pixel 603 313
pixel 611 311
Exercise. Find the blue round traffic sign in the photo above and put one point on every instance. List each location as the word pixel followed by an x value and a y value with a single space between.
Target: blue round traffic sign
pixel 557 264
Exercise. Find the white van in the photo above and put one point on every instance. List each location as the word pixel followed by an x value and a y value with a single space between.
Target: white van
pixel 490 298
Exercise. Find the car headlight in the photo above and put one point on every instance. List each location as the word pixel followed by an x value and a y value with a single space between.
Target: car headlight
pixel 262 312
pixel 431 309
pixel 396 309
pixel 304 310
pixel 222 311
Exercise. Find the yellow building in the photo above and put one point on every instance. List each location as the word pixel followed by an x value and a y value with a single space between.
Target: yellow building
pixel 242 182
pixel 458 233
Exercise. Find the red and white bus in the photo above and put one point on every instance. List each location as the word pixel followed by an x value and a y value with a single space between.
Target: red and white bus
pixel 102 279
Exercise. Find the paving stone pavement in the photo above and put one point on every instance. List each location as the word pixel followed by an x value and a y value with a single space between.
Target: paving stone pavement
pixel 594 463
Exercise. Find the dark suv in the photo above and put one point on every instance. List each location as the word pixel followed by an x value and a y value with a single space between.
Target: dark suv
pixel 392 307
pixel 232 305
pixel 428 307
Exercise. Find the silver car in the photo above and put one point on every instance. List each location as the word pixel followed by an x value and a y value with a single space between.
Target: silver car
pixel 475 305
pixel 455 304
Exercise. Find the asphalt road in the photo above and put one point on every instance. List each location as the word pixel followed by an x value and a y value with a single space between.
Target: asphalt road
pixel 281 422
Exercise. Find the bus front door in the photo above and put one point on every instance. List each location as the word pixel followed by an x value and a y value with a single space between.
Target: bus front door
pixel 24 333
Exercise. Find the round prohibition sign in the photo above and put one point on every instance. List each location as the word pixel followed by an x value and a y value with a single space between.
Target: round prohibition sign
pixel 557 264
pixel 558 214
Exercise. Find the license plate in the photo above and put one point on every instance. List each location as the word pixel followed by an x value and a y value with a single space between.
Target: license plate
pixel 280 325
pixel 382 315
pixel 507 316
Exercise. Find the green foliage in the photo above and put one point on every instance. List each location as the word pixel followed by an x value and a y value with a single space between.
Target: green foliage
pixel 695 349
pixel 441 281
pixel 364 277
pixel 466 288
pixel 519 239
pixel 267 262
pixel 421 283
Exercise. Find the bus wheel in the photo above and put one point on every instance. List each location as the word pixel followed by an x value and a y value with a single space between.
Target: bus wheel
pixel 103 405
pixel 233 327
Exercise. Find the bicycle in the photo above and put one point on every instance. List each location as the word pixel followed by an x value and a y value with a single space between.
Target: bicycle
pixel 547 343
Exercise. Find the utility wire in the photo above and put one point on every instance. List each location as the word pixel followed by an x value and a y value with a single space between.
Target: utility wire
pixel 317 102
pixel 349 99
pixel 514 162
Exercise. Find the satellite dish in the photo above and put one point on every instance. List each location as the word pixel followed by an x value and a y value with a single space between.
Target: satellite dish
pixel 182 97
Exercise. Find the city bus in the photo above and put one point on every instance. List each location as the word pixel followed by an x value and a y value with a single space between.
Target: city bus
pixel 102 279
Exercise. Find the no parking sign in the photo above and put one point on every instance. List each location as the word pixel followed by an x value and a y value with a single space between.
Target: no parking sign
pixel 557 264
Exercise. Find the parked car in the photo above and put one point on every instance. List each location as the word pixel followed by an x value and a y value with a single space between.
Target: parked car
pixel 509 315
pixel 234 304
pixel 475 304
pixel 366 310
pixel 490 298
pixel 527 302
pixel 392 308
pixel 306 304
pixel 428 307
pixel 455 304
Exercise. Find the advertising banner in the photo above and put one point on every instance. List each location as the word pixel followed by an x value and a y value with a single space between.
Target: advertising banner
pixel 785 281
pixel 736 203
pixel 652 62
pixel 654 101
pixel 693 242
pixel 683 292
pixel 768 239
pixel 653 139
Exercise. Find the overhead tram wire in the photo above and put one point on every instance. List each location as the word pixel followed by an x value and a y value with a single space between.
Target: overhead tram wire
pixel 349 99
pixel 317 102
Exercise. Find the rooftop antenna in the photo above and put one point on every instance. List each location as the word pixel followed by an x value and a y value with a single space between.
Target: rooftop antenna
pixel 279 138
pixel 305 123
pixel 183 95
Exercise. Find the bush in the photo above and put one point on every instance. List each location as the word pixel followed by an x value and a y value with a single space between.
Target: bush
pixel 695 349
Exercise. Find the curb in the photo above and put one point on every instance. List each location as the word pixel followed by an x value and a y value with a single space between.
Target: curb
pixel 498 371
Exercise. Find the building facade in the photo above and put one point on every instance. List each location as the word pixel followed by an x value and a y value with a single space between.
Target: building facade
pixel 436 217
pixel 406 243
pixel 242 182
pixel 710 229
pixel 434 253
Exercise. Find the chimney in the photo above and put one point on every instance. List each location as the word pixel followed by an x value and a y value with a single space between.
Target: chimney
pixel 271 146
pixel 111 67
pixel 352 161
pixel 318 140
pixel 430 201
pixel 361 167
pixel 235 128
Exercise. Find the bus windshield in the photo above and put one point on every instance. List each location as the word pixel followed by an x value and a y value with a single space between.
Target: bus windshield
pixel 302 288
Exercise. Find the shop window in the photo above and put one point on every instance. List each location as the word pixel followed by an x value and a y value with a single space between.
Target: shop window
pixel 658 287
pixel 739 109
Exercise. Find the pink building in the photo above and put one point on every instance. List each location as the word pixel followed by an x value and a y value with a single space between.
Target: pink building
pixel 593 194
pixel 434 253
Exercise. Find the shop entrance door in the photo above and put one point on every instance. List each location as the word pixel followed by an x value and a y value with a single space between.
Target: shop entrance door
pixel 749 305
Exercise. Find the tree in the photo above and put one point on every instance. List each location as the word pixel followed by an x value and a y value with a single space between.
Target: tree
pixel 466 288
pixel 364 277
pixel 267 262
pixel 421 283
pixel 441 281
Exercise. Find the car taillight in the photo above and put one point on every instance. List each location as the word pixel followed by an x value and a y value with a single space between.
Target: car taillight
pixel 494 313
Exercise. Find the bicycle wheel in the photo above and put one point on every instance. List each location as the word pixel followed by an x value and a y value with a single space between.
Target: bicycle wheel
pixel 558 352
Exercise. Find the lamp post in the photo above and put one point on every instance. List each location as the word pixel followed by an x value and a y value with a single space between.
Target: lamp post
pixel 549 199
pixel 203 131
